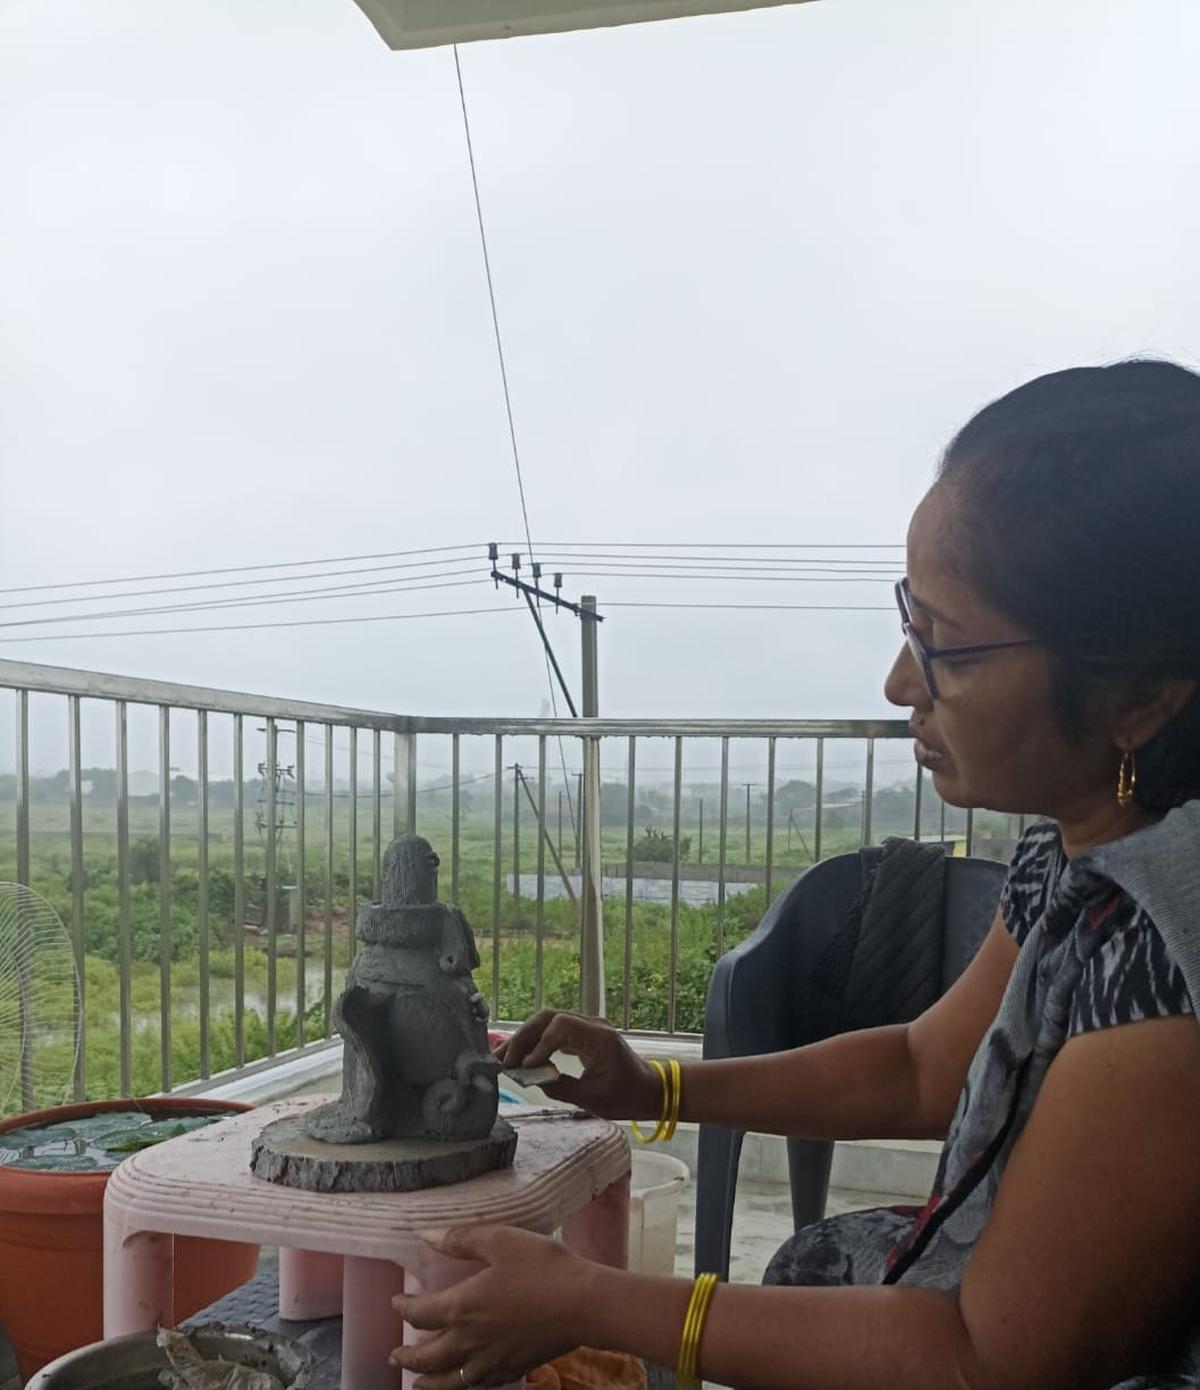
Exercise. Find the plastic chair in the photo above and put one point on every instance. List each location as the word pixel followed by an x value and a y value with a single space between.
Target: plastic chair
pixel 761 999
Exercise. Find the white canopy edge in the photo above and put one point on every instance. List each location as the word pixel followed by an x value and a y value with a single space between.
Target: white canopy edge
pixel 428 23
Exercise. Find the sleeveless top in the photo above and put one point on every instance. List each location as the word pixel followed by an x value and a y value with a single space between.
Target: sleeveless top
pixel 1107 938
pixel 1131 975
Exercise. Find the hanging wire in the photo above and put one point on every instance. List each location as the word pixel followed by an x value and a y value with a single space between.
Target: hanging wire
pixel 333 592
pixel 256 627
pixel 487 269
pixel 722 545
pixel 234 583
pixel 512 429
pixel 240 569
pixel 795 607
pixel 660 555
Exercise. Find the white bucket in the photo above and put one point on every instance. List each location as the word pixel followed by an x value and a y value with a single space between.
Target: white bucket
pixel 655 1186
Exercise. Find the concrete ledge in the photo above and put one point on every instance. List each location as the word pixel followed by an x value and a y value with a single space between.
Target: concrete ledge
pixel 903 1168
pixel 319 1070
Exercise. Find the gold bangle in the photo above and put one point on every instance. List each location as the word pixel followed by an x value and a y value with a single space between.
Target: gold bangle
pixel 688 1369
pixel 671 1078
pixel 661 1127
pixel 676 1074
pixel 686 1362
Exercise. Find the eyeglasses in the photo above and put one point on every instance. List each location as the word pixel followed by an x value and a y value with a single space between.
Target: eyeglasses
pixel 926 656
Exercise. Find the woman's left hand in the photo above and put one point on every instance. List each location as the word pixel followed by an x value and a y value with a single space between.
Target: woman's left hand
pixel 526 1307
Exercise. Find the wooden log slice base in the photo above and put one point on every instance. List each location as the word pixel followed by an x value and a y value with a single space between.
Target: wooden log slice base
pixel 283 1153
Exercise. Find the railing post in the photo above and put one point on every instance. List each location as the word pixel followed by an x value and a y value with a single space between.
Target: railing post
pixel 24 963
pixel 23 787
pixel 630 813
pixel 722 846
pixel 352 886
pixel 673 948
pixel 770 820
pixel 497 869
pixel 272 925
pixel 164 894
pixel 202 885
pixel 591 965
pixel 301 887
pixel 377 815
pixel 455 808
pixel 327 985
pixel 239 893
pixel 410 783
pixel 124 951
pixel 543 837
pixel 78 935
pixel 404 784
pixel 516 891
pixel 868 793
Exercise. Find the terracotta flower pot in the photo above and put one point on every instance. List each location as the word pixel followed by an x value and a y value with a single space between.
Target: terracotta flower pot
pixel 51 1239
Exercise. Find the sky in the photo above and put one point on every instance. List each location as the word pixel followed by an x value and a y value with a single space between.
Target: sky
pixel 751 272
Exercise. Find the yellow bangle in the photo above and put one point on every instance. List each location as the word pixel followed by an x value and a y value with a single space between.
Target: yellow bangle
pixel 676 1073
pixel 688 1369
pixel 671 1077
pixel 661 1128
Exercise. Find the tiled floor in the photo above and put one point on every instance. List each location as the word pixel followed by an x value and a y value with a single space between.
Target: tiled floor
pixel 762 1221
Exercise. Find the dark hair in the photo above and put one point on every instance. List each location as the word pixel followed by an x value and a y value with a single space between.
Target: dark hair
pixel 1079 507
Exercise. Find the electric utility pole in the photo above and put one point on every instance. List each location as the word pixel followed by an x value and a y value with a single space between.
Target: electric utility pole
pixel 587 820
pixel 748 786
pixel 591 973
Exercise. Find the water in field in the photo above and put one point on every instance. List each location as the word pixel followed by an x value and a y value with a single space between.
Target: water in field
pixel 697 892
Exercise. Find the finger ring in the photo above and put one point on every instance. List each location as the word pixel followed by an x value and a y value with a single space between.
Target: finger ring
pixel 462 1375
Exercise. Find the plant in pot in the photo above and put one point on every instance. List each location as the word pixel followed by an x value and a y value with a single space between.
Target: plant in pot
pixel 54 1166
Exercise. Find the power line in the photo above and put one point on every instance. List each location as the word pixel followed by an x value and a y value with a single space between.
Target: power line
pixel 487 267
pixel 512 431
pixel 752 562
pixel 723 545
pixel 582 549
pixel 833 566
pixel 795 607
pixel 242 569
pixel 255 627
pixel 380 587
pixel 226 584
pixel 337 591
pixel 760 578
pixel 462 782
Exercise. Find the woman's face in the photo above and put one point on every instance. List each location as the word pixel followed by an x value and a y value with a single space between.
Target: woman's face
pixel 991 738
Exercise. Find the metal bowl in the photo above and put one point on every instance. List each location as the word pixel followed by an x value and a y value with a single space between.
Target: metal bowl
pixel 134 1362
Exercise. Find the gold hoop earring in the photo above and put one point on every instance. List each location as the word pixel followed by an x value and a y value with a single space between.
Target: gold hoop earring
pixel 1126 780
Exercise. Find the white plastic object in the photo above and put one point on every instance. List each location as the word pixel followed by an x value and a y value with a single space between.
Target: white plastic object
pixel 656 1184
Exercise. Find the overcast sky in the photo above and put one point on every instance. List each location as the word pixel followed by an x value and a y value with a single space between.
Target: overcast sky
pixel 751 272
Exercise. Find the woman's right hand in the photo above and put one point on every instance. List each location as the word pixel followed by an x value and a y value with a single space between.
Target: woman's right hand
pixel 616 1082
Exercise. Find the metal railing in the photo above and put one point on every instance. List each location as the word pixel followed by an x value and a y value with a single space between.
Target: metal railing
pixel 308 837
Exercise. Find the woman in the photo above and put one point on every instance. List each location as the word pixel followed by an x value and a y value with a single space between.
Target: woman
pixel 1051 667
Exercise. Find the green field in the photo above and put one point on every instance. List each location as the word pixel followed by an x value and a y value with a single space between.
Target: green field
pixel 326 945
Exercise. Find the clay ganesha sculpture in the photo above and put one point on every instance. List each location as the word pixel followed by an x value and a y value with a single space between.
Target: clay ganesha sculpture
pixel 416 1062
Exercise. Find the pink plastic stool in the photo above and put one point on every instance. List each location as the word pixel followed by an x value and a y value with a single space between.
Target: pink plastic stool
pixel 349 1253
